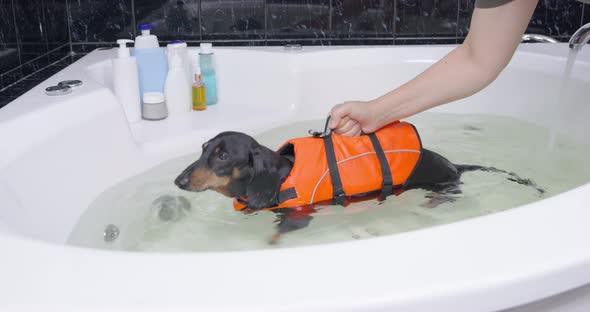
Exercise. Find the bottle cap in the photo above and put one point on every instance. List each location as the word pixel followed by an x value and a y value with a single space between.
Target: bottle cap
pixel 197 70
pixel 206 48
pixel 123 51
pixel 153 98
pixel 145 28
pixel 176 44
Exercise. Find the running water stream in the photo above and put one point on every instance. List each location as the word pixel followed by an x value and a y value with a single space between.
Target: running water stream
pixel 562 97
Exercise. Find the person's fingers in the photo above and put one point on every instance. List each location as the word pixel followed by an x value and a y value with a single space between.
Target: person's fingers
pixel 354 131
pixel 337 113
pixel 346 124
pixel 343 121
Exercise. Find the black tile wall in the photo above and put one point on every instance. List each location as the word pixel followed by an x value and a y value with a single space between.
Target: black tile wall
pixel 233 20
pixel 556 18
pixel 93 21
pixel 299 19
pixel 9 56
pixel 100 22
pixel 56 17
pixel 563 17
pixel 58 34
pixel 465 8
pixel 426 18
pixel 26 42
pixel 174 19
pixel 362 19
pixel 34 34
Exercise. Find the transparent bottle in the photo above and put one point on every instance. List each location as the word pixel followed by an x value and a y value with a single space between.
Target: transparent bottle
pixel 206 63
pixel 199 92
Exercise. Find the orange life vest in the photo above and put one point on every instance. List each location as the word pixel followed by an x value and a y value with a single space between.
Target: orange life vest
pixel 358 168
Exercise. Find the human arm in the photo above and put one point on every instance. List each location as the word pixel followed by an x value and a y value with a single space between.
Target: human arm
pixel 490 44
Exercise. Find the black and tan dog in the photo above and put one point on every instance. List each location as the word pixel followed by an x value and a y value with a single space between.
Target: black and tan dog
pixel 237 166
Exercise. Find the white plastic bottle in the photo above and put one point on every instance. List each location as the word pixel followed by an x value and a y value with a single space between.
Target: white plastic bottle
pixel 178 87
pixel 151 61
pixel 146 40
pixel 126 82
pixel 181 47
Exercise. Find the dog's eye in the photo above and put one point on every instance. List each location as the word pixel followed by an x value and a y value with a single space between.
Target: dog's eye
pixel 222 156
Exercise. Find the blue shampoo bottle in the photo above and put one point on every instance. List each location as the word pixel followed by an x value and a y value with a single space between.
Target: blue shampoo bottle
pixel 152 66
pixel 208 73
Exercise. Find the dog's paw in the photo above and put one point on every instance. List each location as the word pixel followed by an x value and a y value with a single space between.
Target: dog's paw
pixel 274 239
pixel 436 199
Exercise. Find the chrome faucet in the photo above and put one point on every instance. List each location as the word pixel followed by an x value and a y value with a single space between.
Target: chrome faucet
pixel 538 38
pixel 580 37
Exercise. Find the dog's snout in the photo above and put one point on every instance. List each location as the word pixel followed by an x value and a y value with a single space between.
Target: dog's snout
pixel 183 181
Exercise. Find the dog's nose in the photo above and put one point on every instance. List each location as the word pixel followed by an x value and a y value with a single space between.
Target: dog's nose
pixel 182 181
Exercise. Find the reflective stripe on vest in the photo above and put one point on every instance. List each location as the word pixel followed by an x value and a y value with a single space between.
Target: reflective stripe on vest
pixel 358 165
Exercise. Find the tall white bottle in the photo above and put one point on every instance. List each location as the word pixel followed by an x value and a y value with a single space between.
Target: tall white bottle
pixel 126 82
pixel 181 48
pixel 178 87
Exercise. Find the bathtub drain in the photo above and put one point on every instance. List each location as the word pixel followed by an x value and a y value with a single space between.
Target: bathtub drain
pixel 111 232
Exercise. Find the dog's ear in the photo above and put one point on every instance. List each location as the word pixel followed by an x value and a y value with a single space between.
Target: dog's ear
pixel 263 189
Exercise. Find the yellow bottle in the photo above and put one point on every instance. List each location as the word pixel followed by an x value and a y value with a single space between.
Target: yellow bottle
pixel 199 101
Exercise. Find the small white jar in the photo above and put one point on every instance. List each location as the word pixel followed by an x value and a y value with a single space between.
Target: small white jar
pixel 154 106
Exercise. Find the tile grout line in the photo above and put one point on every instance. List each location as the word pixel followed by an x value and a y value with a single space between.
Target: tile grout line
pixel 394 22
pixel 457 21
pixel 33 73
pixel 200 21
pixel 112 43
pixel 265 21
pixel 68 21
pixel 18 48
pixel 133 20
pixel 45 31
pixel 427 38
pixel 582 17
pixel 37 58
pixel 330 18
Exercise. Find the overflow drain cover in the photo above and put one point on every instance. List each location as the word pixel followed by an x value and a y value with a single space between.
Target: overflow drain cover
pixel 58 90
pixel 70 83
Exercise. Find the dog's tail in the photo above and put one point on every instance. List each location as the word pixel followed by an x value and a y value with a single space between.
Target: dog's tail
pixel 511 175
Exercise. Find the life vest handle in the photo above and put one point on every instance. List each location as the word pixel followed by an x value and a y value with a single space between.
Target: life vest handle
pixel 327 131
pixel 321 134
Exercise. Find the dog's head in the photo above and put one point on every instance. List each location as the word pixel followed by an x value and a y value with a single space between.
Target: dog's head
pixel 235 165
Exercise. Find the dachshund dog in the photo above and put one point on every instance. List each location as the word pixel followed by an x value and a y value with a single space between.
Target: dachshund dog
pixel 237 166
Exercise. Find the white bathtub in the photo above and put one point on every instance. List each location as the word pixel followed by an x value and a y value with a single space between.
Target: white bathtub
pixel 57 154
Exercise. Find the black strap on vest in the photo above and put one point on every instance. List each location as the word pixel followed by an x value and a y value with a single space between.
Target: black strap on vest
pixel 337 191
pixel 387 186
pixel 287 194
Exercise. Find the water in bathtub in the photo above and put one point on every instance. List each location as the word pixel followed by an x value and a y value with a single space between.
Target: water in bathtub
pixel 152 214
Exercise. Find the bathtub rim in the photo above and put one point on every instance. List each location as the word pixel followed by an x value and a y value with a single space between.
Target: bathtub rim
pixel 480 296
pixel 458 296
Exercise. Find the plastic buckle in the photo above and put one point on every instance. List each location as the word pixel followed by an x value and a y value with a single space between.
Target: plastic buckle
pixel 318 134
pixel 321 134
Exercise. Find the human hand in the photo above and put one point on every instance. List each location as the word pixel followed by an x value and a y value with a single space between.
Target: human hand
pixel 353 118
